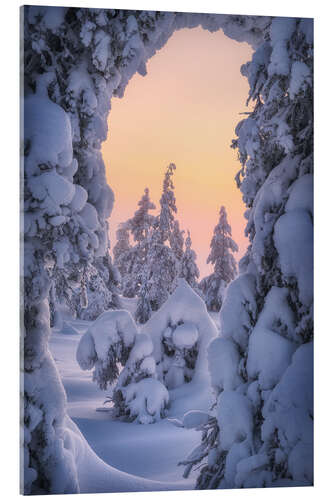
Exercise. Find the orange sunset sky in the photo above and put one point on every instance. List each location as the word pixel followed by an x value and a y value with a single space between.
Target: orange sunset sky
pixel 184 111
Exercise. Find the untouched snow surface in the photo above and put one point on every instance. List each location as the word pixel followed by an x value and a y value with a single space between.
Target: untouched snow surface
pixel 146 451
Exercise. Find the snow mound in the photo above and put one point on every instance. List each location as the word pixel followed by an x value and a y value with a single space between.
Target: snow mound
pixel 95 476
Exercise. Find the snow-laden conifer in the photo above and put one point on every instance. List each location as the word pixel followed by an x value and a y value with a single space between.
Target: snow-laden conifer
pixel 177 241
pixel 168 205
pixel 138 395
pixel 181 330
pixel 221 257
pixel 189 269
pixel 142 220
pixel 102 293
pixel 162 266
pixel 121 358
pixel 131 258
pixel 122 249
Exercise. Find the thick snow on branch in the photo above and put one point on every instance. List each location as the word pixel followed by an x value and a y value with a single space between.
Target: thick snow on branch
pixel 107 342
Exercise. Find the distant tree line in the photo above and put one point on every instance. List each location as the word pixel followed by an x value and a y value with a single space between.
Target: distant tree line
pixel 152 252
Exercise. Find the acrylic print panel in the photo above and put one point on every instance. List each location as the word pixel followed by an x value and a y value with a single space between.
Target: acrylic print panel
pixel 168 290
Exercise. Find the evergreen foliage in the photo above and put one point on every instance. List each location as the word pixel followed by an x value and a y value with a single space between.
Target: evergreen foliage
pixel 221 257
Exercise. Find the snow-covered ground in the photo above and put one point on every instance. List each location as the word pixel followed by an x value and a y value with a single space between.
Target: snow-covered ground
pixel 148 451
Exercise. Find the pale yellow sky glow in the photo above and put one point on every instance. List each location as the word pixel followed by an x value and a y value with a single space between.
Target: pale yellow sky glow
pixel 184 111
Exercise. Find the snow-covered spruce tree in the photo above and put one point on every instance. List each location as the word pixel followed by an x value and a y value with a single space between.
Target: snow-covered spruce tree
pixel 142 220
pixel 130 259
pixel 181 330
pixel 162 266
pixel 124 259
pixel 189 269
pixel 144 307
pixel 111 342
pixel 221 257
pixel 122 248
pixel 138 395
pixel 262 365
pixel 140 226
pixel 102 293
pixel 75 60
pixel 177 241
pixel 158 276
pixel 168 210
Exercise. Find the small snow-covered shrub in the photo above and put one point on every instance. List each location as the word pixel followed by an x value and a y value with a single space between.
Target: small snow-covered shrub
pixel 180 332
pixel 144 401
pixel 122 358
pixel 138 394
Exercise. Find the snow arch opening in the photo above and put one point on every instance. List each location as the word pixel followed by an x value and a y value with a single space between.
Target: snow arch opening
pixel 184 110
